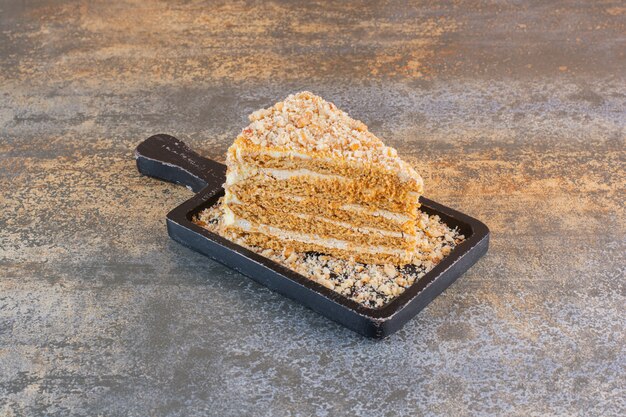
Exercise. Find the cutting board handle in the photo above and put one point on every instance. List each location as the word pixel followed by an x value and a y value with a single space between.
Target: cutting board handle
pixel 169 159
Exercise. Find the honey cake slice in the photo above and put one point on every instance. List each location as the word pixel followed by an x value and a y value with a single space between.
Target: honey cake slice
pixel 306 176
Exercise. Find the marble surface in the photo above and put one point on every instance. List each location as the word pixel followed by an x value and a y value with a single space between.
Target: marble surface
pixel 514 112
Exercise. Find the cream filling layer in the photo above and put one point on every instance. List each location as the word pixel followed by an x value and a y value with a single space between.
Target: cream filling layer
pixel 315 239
pixel 356 208
pixel 243 172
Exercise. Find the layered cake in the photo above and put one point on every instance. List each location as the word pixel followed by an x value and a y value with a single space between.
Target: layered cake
pixel 304 176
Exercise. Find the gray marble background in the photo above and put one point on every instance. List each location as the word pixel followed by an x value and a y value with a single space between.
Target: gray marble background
pixel 514 112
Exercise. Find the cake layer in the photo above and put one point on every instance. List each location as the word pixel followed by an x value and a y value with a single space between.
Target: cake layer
pixel 274 239
pixel 333 189
pixel 322 227
pixel 356 214
pixel 362 187
pixel 369 174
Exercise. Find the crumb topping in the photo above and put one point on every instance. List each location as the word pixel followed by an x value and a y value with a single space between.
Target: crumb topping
pixel 368 284
pixel 306 122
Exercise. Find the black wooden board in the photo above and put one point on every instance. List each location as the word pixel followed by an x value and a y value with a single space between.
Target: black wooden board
pixel 167 158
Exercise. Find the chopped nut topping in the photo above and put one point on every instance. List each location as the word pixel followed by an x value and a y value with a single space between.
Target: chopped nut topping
pixel 307 122
pixel 390 270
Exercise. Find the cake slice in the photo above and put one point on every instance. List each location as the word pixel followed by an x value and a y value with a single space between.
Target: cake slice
pixel 304 176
